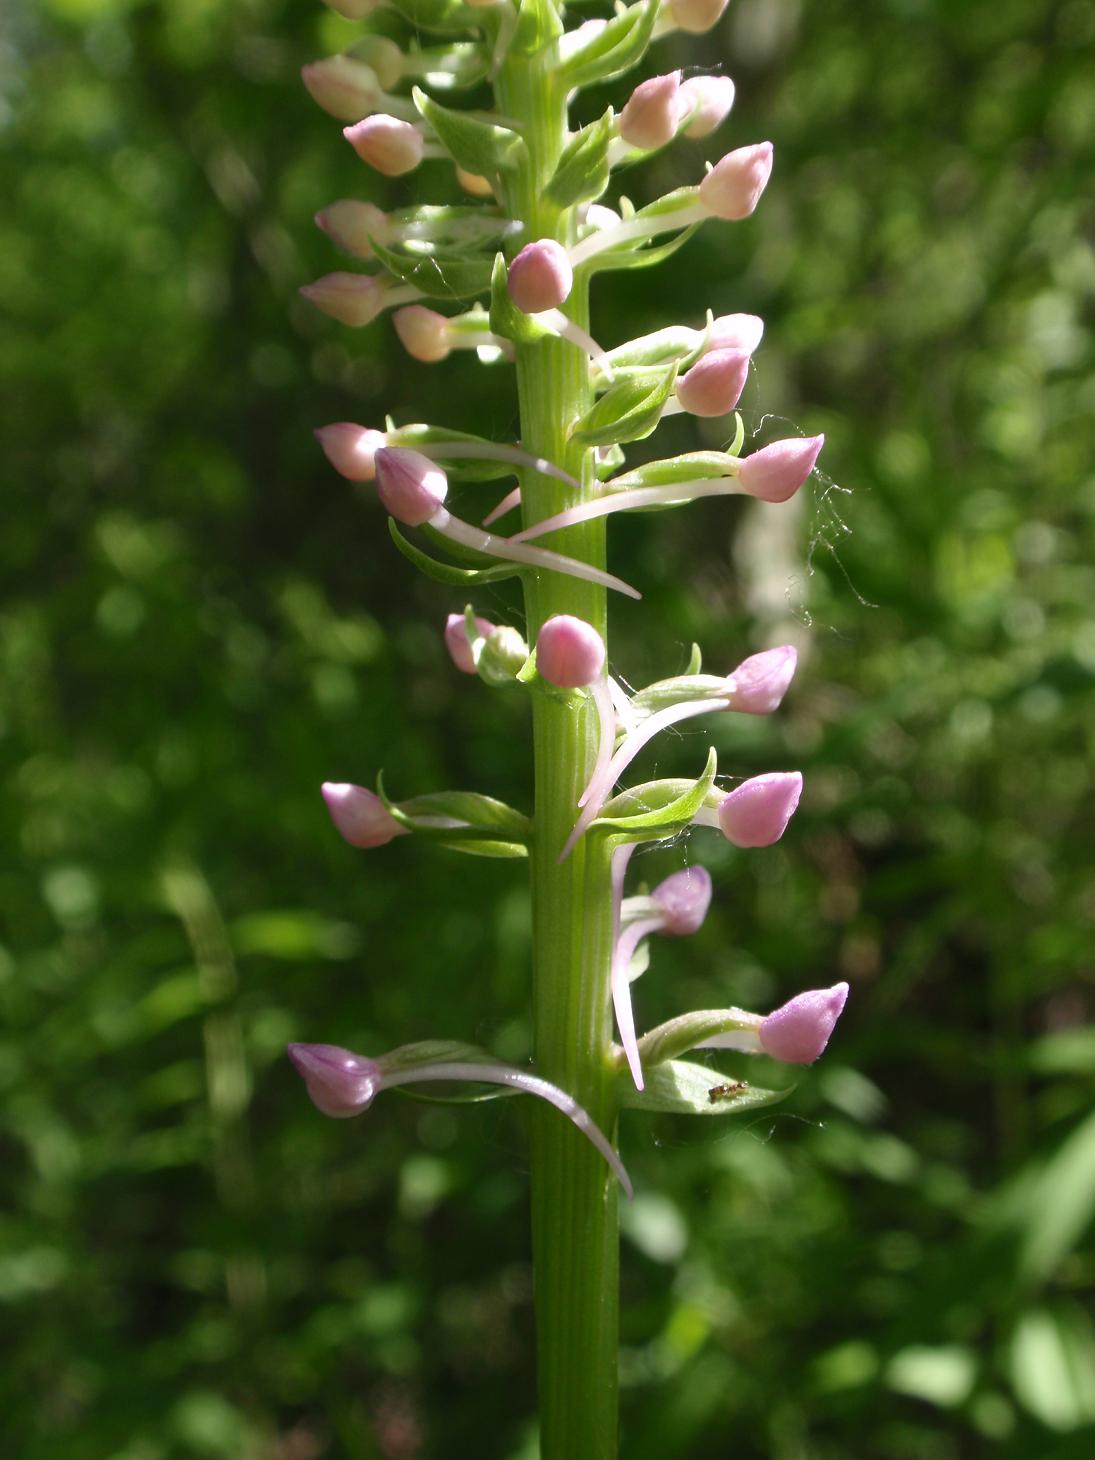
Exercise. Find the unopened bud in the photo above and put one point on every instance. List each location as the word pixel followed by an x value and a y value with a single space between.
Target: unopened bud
pixel 736 332
pixel 351 449
pixel 471 182
pixel 714 384
pixel 423 333
pixel 340 1083
pixel 683 900
pixel 569 652
pixel 353 299
pixel 696 16
pixel 776 472
pixel 756 813
pixel 391 146
pixel 708 99
pixel 353 225
pixel 411 486
pixel 457 643
pixel 384 56
pixel 360 816
pixel 649 117
pixel 503 657
pixel 733 187
pixel 343 87
pixel 799 1030
pixel 758 684
pixel 540 277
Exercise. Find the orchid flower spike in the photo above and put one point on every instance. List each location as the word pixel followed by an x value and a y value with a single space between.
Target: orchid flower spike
pixel 756 687
pixel 413 489
pixel 796 1033
pixel 342 1084
pixel 676 907
pixel 360 816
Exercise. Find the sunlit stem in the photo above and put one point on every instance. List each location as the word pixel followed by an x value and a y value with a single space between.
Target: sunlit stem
pixel 489 1074
pixel 596 793
pixel 559 324
pixel 628 499
pixel 503 547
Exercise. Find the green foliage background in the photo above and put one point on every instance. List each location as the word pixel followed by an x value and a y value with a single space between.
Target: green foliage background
pixel 200 622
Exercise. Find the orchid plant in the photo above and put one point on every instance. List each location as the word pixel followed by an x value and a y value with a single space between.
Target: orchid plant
pixel 520 254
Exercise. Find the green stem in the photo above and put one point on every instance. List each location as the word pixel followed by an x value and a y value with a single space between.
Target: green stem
pixel 574 1196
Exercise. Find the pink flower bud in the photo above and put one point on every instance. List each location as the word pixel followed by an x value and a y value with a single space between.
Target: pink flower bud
pixel 758 684
pixel 353 225
pixel 343 87
pixel 799 1030
pixel 384 56
pixel 340 1083
pixel 733 187
pixel 471 182
pixel 391 146
pixel 708 99
pixel 776 472
pixel 456 640
pixel 696 16
pixel 684 899
pixel 423 333
pixel 351 449
pixel 756 813
pixel 714 384
pixel 411 486
pixel 569 652
pixel 649 117
pixel 540 277
pixel 360 817
pixel 736 332
pixel 353 299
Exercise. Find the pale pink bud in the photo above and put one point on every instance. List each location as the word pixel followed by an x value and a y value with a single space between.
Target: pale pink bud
pixel 360 817
pixel 714 384
pixel 353 299
pixel 708 99
pixel 423 333
pixel 456 640
pixel 340 1083
pixel 649 117
pixel 391 146
pixel 733 187
pixel 799 1030
pixel 540 277
pixel 411 486
pixel 351 449
pixel 736 332
pixel 756 813
pixel 696 16
pixel 569 652
pixel 471 182
pixel 776 472
pixel 345 88
pixel 384 56
pixel 353 225
pixel 758 684
pixel 683 900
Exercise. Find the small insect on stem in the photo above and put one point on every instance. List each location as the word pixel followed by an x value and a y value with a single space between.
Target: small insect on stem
pixel 727 1091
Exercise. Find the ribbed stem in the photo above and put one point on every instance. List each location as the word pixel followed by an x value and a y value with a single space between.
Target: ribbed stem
pixel 574 1195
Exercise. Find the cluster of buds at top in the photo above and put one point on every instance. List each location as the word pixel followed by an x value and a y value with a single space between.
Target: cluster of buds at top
pixel 473 276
